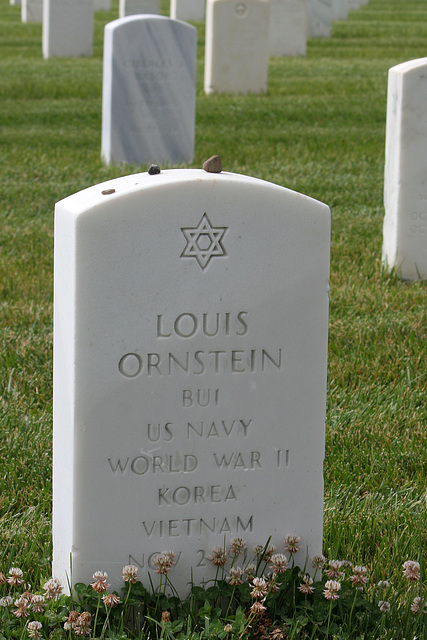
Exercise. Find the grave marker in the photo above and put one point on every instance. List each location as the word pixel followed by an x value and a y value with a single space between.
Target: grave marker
pixel 236 52
pixel 102 5
pixel 288 27
pixel 191 314
pixel 67 28
pixel 405 184
pixel 188 10
pixel 32 10
pixel 137 7
pixel 319 18
pixel 339 9
pixel 149 90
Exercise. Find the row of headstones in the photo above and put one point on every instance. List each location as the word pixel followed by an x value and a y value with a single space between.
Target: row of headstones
pixel 149 110
pixel 291 21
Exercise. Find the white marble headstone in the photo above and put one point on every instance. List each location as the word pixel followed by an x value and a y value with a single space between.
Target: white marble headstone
pixel 190 324
pixel 149 90
pixel 339 9
pixel 405 182
pixel 288 27
pixel 67 28
pixel 193 10
pixel 136 7
pixel 319 23
pixel 32 10
pixel 236 48
pixel 102 5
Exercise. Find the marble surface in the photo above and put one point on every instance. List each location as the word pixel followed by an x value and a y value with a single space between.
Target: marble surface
pixel 236 50
pixel 190 348
pixel 102 5
pixel 32 10
pixel 319 22
pixel 339 9
pixel 136 7
pixel 405 179
pixel 288 27
pixel 67 28
pixel 188 10
pixel 149 90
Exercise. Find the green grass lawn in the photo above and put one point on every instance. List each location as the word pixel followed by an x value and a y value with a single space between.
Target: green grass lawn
pixel 320 130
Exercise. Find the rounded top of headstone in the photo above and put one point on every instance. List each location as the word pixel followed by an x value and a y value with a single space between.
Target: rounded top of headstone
pixel 213 165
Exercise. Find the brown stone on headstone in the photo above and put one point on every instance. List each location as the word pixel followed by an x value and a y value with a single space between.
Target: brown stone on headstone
pixel 213 165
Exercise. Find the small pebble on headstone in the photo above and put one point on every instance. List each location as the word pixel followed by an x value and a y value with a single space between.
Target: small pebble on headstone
pixel 213 164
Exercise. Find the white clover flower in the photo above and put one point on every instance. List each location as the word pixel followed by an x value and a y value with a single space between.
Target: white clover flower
pixel 52 588
pixel 292 544
pixel 332 587
pixel 333 572
pixel 318 562
pixel 218 557
pixel 236 576
pixel 384 606
pixel 306 585
pixel 15 577
pixel 279 562
pixel 260 588
pixel 100 585
pixel 34 629
pixel 412 570
pixel 130 573
pixel 163 562
pixel 237 546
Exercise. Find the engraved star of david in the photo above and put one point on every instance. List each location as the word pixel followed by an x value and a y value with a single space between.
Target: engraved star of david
pixel 204 242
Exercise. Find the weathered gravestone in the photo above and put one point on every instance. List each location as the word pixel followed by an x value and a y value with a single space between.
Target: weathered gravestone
pixel 149 90
pixel 188 10
pixel 236 51
pixel 102 5
pixel 191 314
pixel 339 9
pixel 288 27
pixel 32 10
pixel 405 183
pixel 136 7
pixel 319 23
pixel 67 28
